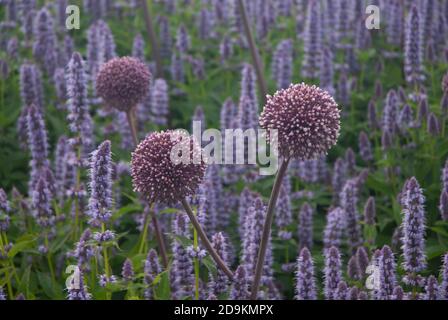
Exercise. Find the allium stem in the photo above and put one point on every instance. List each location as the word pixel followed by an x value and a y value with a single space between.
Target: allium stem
pixel 132 125
pixel 153 39
pixel 267 228
pixel 205 240
pixel 254 52
pixel 159 238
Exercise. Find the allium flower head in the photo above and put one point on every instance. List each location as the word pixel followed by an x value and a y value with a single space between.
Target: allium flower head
pixel 158 177
pixel 307 120
pixel 123 82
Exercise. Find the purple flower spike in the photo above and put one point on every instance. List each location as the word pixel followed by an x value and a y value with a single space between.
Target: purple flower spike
pixel 100 202
pixel 42 207
pixel 305 281
pixel 240 290
pixel 151 269
pixel 398 293
pixel 341 291
pixel 365 147
pixel 182 268
pixel 332 273
pixel 413 227
pixel 443 206
pixel 78 291
pixel 219 283
pixel 387 276
pixel 282 64
pixel 362 259
pixel 431 289
pixel 305 229
pixel 413 50
pixel 312 41
pixel 352 268
pixel 349 202
pixel 127 271
pixel 333 229
pixel 370 212
pixel 283 213
pixel 444 277
pixel 159 102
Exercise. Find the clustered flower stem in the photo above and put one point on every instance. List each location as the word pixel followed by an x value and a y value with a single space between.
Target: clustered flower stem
pixel 267 228
pixel 153 39
pixel 254 52
pixel 205 240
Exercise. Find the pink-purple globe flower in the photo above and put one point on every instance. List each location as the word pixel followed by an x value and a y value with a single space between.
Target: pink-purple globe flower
pixel 123 82
pixel 306 118
pixel 160 179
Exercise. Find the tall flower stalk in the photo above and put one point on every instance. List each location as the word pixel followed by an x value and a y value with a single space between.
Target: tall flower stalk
pixel 319 118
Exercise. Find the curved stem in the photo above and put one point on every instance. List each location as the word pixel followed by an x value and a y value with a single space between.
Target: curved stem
pixel 159 238
pixel 132 126
pixel 205 240
pixel 267 228
pixel 254 52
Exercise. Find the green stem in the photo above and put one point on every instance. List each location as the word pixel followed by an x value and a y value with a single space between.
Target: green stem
pixel 50 263
pixel 267 228
pixel 106 262
pixel 196 264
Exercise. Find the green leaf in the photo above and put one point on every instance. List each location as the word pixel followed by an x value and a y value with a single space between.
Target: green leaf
pixel 162 291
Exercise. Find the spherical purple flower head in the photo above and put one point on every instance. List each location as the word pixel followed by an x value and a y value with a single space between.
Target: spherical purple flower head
pixel 127 271
pixel 100 202
pixel 387 276
pixel 431 289
pixel 305 229
pixel 240 290
pixel 305 281
pixel 123 82
pixel 160 179
pixel 334 227
pixel 332 272
pixel 413 227
pixel 219 282
pixel 306 118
